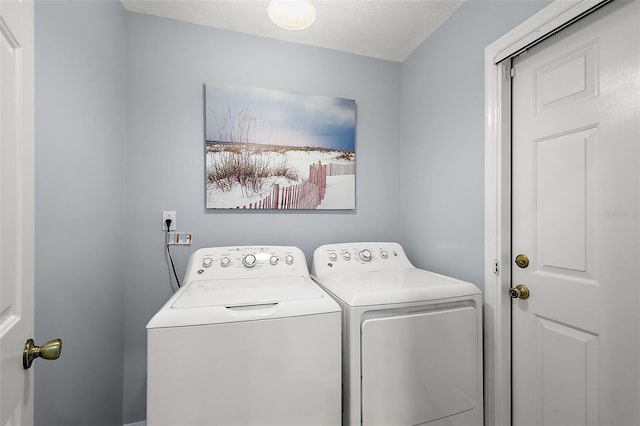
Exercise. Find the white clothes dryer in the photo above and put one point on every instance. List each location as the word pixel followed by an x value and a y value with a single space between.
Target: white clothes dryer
pixel 412 339
pixel 249 339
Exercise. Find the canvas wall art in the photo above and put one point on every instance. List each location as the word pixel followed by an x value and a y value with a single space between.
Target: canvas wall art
pixel 271 149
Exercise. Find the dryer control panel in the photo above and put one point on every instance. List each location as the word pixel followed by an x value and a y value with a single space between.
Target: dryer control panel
pixel 354 257
pixel 245 262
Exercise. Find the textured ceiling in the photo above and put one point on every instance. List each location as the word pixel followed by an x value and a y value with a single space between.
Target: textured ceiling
pixel 385 29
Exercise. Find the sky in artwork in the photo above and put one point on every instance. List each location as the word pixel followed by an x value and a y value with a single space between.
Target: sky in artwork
pixel 266 116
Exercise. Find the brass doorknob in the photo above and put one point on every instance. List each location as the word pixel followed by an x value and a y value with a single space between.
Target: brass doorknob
pixel 522 260
pixel 50 350
pixel 519 292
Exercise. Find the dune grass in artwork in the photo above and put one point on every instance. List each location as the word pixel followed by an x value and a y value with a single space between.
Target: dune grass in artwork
pixel 247 166
pixel 268 149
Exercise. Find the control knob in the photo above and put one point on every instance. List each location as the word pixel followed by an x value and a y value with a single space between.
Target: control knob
pixel 288 259
pixel 249 261
pixel 365 255
pixel 225 261
pixel 273 260
pixel 207 262
pixel 384 254
pixel 333 257
pixel 346 255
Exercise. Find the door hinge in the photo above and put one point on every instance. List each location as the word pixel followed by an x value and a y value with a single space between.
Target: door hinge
pixel 496 267
pixel 508 71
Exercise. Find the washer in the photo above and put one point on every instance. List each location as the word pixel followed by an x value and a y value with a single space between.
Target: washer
pixel 249 339
pixel 412 339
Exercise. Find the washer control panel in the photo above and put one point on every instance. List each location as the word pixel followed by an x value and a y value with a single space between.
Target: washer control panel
pixel 245 262
pixel 352 257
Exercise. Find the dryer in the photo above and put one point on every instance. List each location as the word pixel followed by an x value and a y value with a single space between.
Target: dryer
pixel 249 339
pixel 412 339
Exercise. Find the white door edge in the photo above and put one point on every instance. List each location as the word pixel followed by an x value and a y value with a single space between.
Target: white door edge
pixel 16 208
pixel 497 306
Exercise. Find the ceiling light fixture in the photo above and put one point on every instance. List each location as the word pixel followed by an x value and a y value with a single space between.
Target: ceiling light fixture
pixel 292 15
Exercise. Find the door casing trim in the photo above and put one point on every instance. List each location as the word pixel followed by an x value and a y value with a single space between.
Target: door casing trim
pixel 497 213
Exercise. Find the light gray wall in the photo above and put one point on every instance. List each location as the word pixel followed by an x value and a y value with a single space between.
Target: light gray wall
pixel 167 64
pixel 442 150
pixel 79 220
pixel 426 189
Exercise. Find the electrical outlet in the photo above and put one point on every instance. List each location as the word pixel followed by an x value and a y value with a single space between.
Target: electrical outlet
pixel 168 214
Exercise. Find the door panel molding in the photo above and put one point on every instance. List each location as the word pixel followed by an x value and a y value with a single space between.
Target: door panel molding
pixel 497 330
pixel 580 364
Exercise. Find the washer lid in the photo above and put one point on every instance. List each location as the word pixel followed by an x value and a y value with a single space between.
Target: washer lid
pixel 397 286
pixel 246 292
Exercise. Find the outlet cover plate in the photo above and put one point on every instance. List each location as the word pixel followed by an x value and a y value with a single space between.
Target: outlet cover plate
pixel 169 214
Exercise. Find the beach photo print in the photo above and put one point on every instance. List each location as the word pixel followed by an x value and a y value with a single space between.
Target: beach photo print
pixel 271 149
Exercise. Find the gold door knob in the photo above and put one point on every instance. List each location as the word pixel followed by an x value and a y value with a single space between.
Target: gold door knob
pixel 519 292
pixel 522 260
pixel 50 350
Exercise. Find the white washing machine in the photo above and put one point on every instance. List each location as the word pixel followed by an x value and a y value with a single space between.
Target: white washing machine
pixel 249 339
pixel 412 339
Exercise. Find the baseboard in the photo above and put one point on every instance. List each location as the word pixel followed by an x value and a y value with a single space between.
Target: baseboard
pixel 142 423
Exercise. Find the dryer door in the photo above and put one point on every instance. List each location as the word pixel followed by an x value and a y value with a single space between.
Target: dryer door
pixel 419 367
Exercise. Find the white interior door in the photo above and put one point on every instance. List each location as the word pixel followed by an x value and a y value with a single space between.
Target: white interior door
pixel 576 215
pixel 16 208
